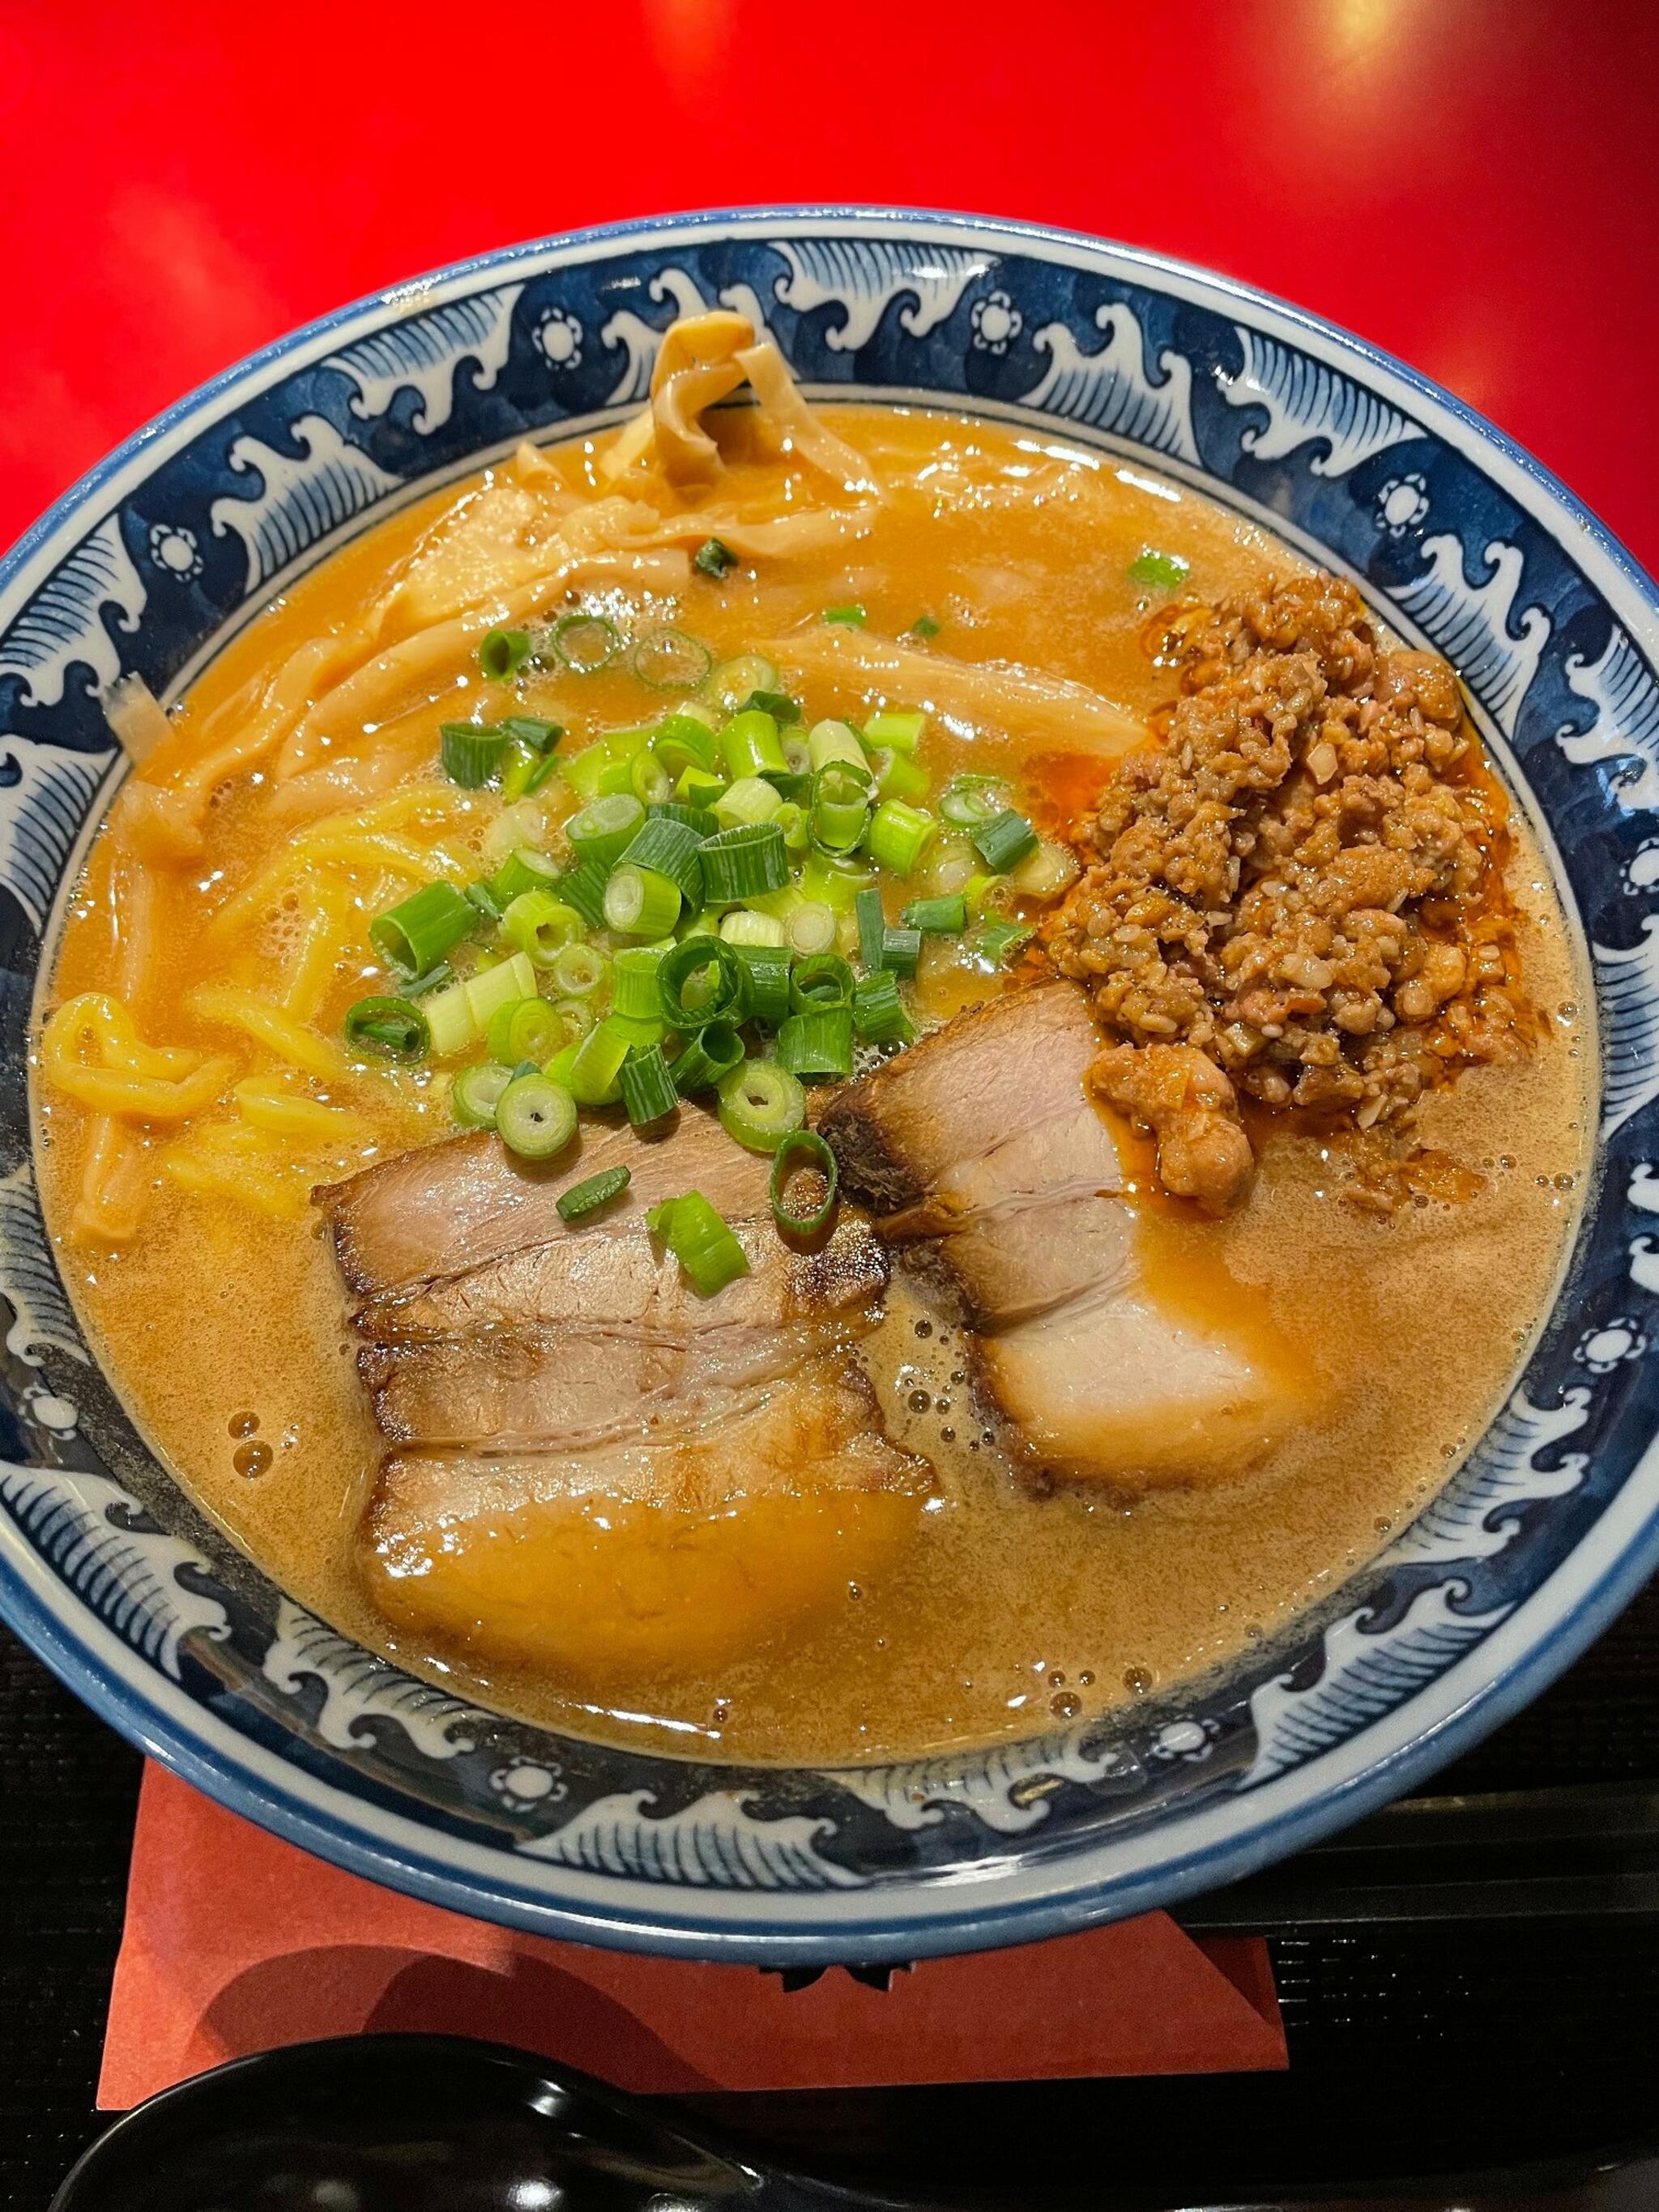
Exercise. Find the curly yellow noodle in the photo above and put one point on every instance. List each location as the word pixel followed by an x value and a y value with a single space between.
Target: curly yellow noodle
pixel 230 1006
pixel 132 1079
pixel 224 1161
pixel 341 848
pixel 321 950
pixel 286 697
pixel 265 1103
pixel 114 1185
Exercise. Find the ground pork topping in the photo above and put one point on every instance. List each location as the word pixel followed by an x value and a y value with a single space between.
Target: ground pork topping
pixel 1300 886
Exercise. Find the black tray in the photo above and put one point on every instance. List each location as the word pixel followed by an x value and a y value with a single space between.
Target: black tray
pixel 1468 1979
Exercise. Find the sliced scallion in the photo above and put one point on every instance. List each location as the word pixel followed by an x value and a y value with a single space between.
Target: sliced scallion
pixel 735 680
pixel 901 949
pixel 700 981
pixel 647 1088
pixel 835 741
pixel 879 1014
pixel 871 922
pixel 810 927
pixel 679 743
pixel 766 967
pixel 714 1051
pixel 751 798
pixel 595 1191
pixel 778 704
pixel 392 1026
pixel 997 942
pixel 524 869
pixel 700 1240
pixel 891 726
pixel 641 902
pixel 967 801
pixel 535 1117
pixel 851 616
pixel 759 1102
pixel 483 898
pixel 803 1151
pixel 596 1067
pixel 603 832
pixel 1163 572
pixel 475 1093
pixel 937 917
pixel 649 779
pixel 525 1029
pixel 924 627
pixel 702 820
pixel 841 805
pixel 579 970
pixel 496 986
pixel 415 935
pixel 825 979
pixel 671 849
pixel 503 652
pixel 818 1043
pixel 583 887
pixel 471 755
pixel 634 987
pixel 586 643
pixel 714 560
pixel 749 930
pixel 1004 842
pixel 751 745
pixel 670 659
pixel 740 863
pixel 537 923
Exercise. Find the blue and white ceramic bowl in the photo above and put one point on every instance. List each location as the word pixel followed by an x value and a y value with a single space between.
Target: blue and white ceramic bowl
pixel 1459 538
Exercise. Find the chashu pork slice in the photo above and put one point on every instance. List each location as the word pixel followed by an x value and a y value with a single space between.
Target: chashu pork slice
pixel 989 1165
pixel 648 1557
pixel 591 1467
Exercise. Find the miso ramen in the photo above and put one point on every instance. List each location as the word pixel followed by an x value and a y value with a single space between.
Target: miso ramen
pixel 810 1084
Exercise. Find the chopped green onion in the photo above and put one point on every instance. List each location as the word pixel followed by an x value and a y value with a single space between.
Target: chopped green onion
pixel 879 1014
pixel 841 805
pixel 1166 572
pixel 1047 872
pixel 596 1070
pixel 925 626
pixel 759 1102
pixel 537 923
pixel 475 1093
pixel 641 902
pixel 702 820
pixel 392 1026
pixel 647 1088
pixel 503 652
pixel 670 659
pixel 938 917
pixel 526 772
pixel 717 997
pixel 525 1029
pixel 471 755
pixel 997 941
pixel 766 997
pixel 735 680
pixel 579 970
pixel 557 1069
pixel 680 742
pixel 810 927
pixel 637 1031
pixel 575 1017
pixel 853 616
pixel 649 779
pixel 778 704
pixel 535 1117
pixel 803 1149
pixel 635 990
pixel 824 980
pixel 741 862
pixel 435 979
pixel 751 745
pixel 700 1239
pixel 586 643
pixel 751 798
pixel 603 832
pixel 713 1052
pixel 899 836
pixel 595 1191
pixel 482 896
pixel 699 788
pixel 796 752
pixel 836 881
pixel 671 849
pixel 524 869
pixel 714 560
pixel 903 731
pixel 1003 842
pixel 745 928
pixel 967 801
pixel 871 922
pixel 835 741
pixel 587 772
pixel 818 1043
pixel 534 731
pixel 418 934
pixel 901 949
pixel 450 1020
pixel 793 788
pixel 795 824
pixel 583 887
pixel 898 776
pixel 511 979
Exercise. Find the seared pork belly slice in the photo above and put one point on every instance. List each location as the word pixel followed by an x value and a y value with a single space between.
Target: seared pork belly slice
pixel 995 1175
pixel 443 1208
pixel 637 1557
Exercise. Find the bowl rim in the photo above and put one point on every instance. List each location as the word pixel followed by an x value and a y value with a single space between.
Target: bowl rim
pixel 1525 1651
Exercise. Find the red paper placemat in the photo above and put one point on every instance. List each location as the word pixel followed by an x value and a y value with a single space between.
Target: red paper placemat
pixel 237 1943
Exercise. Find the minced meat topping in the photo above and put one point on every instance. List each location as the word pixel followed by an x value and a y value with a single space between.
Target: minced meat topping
pixel 1298 894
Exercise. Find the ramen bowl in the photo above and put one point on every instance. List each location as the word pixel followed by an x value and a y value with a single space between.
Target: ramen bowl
pixel 1460 541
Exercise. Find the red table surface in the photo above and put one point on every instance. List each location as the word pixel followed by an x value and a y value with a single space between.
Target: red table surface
pixel 1473 184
